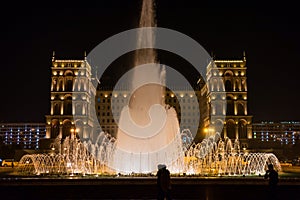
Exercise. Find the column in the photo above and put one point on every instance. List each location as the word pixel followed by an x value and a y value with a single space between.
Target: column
pixel 236 131
pixel 51 112
pixel 225 131
pixel 249 131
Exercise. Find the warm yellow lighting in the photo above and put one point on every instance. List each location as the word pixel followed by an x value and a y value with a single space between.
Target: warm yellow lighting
pixel 60 73
pixel 181 95
pixel 77 130
pixel 52 148
pixel 220 73
pixel 235 97
pixel 191 95
pixel 52 97
pixel 72 130
pixel 124 95
pixel 115 95
pixel 245 98
pixel 49 123
pixel 105 95
pixel 54 73
pixel 82 73
pixel 62 98
pixel 172 95
pixel 62 65
pixel 228 61
pixel 76 73
pixel 236 74
pixel 242 73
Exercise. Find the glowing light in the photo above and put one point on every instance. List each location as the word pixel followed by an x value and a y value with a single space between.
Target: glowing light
pixel 124 95
pixel 60 73
pixel 172 95
pixel 181 95
pixel 105 95
pixel 76 73
pixel 54 73
pixel 52 97
pixel 115 95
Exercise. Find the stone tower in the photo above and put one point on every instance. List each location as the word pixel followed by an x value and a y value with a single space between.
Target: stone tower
pixel 71 103
pixel 227 96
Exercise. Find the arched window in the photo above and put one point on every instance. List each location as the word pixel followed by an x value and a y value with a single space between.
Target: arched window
pixel 241 110
pixel 56 109
pixel 68 107
pixel 230 129
pixel 66 130
pixel 69 85
pixel 242 129
pixel 230 107
pixel 54 129
pixel 78 109
pixel 228 85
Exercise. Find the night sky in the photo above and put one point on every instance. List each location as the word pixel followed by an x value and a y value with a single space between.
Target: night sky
pixel 268 33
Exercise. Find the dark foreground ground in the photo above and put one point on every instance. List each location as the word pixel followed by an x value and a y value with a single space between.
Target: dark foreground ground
pixel 242 188
pixel 13 186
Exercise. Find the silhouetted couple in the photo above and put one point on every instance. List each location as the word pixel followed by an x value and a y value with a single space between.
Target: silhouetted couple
pixel 163 183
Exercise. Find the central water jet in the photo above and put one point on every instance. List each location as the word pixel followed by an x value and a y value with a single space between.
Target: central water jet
pixel 149 131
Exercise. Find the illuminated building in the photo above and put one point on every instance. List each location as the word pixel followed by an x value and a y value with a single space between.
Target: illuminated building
pixel 24 135
pixel 227 96
pixel 71 92
pixel 286 132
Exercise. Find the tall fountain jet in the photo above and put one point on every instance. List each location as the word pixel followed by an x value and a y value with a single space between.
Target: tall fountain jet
pixel 149 132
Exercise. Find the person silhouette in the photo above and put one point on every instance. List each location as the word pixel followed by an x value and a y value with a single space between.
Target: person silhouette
pixel 272 175
pixel 163 183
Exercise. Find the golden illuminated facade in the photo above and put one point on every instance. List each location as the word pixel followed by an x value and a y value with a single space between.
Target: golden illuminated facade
pixel 227 96
pixel 71 93
pixel 224 94
pixel 109 104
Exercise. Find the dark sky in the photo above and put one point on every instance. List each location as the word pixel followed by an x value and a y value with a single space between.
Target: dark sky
pixel 268 32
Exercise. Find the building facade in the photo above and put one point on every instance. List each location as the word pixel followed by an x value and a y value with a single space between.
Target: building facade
pixel 71 99
pixel 227 98
pixel 285 132
pixel 24 135
pixel 221 100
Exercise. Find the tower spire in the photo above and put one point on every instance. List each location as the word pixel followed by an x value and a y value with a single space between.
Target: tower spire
pixel 84 55
pixel 53 55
